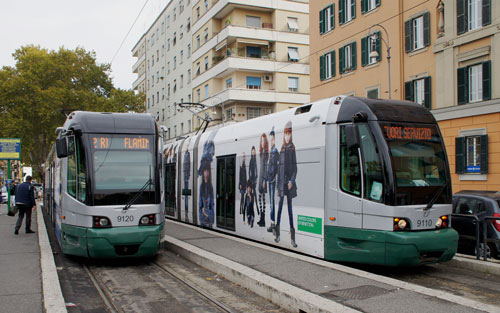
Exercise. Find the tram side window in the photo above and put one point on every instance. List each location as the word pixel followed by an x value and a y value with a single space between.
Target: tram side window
pixel 76 174
pixel 374 180
pixel 71 176
pixel 350 174
pixel 81 172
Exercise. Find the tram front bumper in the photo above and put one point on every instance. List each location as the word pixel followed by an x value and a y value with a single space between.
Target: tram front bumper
pixel 115 242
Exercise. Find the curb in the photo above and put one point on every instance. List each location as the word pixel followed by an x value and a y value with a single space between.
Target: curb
pixel 476 265
pixel 53 300
pixel 283 294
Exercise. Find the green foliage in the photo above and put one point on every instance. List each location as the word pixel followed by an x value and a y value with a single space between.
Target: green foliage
pixel 44 84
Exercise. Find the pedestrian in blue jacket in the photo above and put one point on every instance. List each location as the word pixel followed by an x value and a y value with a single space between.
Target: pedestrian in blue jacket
pixel 25 201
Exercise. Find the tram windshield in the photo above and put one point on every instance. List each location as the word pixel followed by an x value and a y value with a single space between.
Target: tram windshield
pixel 122 164
pixel 418 161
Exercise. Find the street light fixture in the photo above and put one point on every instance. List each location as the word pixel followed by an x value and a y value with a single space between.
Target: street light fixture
pixel 374 54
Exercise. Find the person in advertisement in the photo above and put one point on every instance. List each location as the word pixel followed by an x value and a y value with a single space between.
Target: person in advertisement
pixel 249 203
pixel 206 202
pixel 253 173
pixel 272 171
pixel 287 172
pixel 263 158
pixel 243 184
pixel 186 163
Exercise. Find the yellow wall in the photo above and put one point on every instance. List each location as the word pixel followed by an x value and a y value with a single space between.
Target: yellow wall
pixel 280 21
pixel 282 82
pixel 281 49
pixel 450 130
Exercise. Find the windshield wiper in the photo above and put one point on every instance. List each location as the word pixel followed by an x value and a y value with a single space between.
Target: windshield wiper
pixel 436 196
pixel 138 194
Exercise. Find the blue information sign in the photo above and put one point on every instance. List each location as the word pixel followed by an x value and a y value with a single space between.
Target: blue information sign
pixel 473 169
pixel 10 148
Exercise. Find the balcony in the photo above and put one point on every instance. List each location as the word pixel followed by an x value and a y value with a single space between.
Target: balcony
pixel 256 95
pixel 138 63
pixel 138 81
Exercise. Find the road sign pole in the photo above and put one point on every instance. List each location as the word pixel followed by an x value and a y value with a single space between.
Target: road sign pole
pixel 8 189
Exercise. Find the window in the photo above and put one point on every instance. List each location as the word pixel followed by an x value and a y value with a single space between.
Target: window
pixel 189 50
pixel 417 32
pixel 168 67
pixel 474 83
pixel 229 82
pixel 168 21
pixel 76 175
pixel 372 167
pixel 197 71
pixel 368 5
pixel 182 81
pixel 472 14
pixel 293 54
pixel 206 91
pixel 206 34
pixel 163 93
pixel 293 24
pixel 370 44
pixel 253 82
pixel 174 41
pixel 175 62
pixel 327 19
pixel 372 93
pixel 197 41
pixel 153 100
pixel 157 97
pixel 253 113
pixel 175 14
pixel 206 63
pixel 350 168
pixel 253 52
pixel 188 26
pixel 198 93
pixel 174 88
pixel 471 154
pixel 206 4
pixel 168 44
pixel 197 12
pixel 182 56
pixel 347 58
pixel 327 65
pixel 419 91
pixel 253 21
pixel 189 76
pixel 293 84
pixel 189 126
pixel 229 114
pixel 181 6
pixel 347 11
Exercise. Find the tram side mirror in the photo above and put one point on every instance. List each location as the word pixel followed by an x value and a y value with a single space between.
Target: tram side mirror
pixel 351 137
pixel 62 147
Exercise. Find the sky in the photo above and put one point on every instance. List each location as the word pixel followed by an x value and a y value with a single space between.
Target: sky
pixel 96 25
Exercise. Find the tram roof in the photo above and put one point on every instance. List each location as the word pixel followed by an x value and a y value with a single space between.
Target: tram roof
pixel 114 123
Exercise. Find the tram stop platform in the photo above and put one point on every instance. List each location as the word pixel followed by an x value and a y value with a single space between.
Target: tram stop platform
pixel 28 276
pixel 301 283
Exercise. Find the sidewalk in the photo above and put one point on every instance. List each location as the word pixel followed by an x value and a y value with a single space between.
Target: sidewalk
pixel 27 271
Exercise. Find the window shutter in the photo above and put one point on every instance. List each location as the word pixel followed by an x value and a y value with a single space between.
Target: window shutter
pixel 462 87
pixel 461 16
pixel 353 9
pixel 341 11
pixel 322 21
pixel 364 51
pixel 377 44
pixel 486 12
pixel 460 155
pixel 408 36
pixel 332 16
pixel 341 60
pixel 377 3
pixel 427 33
pixel 332 59
pixel 322 67
pixel 487 80
pixel 364 4
pixel 427 92
pixel 483 141
pixel 409 91
pixel 353 55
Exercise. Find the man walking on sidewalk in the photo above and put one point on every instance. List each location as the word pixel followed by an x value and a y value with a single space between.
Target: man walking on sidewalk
pixel 25 201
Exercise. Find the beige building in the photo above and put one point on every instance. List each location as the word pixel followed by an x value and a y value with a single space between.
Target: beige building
pixel 249 59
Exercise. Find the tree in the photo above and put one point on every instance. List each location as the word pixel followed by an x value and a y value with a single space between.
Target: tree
pixel 43 84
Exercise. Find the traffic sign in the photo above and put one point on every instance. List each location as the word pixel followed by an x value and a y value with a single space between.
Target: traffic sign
pixel 10 148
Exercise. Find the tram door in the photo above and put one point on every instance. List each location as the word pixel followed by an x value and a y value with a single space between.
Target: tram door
pixel 170 189
pixel 225 200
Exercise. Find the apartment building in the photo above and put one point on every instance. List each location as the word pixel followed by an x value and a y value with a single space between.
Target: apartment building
pixel 250 58
pixel 167 67
pixel 467 107
pixel 139 68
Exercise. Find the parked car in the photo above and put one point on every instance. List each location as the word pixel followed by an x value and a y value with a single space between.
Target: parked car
pixel 3 192
pixel 481 204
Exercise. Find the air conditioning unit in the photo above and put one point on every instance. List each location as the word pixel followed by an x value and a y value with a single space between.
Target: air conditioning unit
pixel 268 78
pixel 267 111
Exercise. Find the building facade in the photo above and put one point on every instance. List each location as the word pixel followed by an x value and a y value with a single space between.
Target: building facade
pixel 468 93
pixel 139 68
pixel 249 59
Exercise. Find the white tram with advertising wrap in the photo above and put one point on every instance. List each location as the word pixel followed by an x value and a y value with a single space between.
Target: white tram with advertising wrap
pixel 344 179
pixel 104 184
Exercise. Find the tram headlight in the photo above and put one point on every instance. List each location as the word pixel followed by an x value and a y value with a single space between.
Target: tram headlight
pixel 101 222
pixel 147 220
pixel 400 224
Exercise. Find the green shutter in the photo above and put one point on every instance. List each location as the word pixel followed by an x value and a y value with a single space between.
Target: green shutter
pixel 409 91
pixel 427 33
pixel 483 141
pixel 377 3
pixel 364 50
pixel 364 5
pixel 427 92
pixel 487 80
pixel 461 16
pixel 332 59
pixel 341 12
pixel 462 88
pixel 353 9
pixel 460 155
pixel 377 44
pixel 322 21
pixel 341 61
pixel 322 67
pixel 353 56
pixel 332 16
pixel 408 36
pixel 486 11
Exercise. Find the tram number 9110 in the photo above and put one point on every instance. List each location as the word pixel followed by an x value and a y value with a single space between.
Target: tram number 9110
pixel 424 223
pixel 125 218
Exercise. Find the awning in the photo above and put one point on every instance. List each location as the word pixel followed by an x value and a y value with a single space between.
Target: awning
pixel 221 45
pixel 293 25
pixel 293 54
pixel 253 41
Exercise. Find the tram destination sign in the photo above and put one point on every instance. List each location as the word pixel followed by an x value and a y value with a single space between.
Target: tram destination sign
pixel 121 142
pixel 407 132
pixel 10 148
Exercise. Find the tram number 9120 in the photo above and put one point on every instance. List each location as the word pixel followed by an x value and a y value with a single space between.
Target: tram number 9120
pixel 424 223
pixel 125 218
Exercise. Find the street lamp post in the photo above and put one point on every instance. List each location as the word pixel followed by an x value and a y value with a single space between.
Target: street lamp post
pixel 375 53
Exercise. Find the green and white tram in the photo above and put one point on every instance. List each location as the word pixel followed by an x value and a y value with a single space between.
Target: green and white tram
pixel 103 185
pixel 344 179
